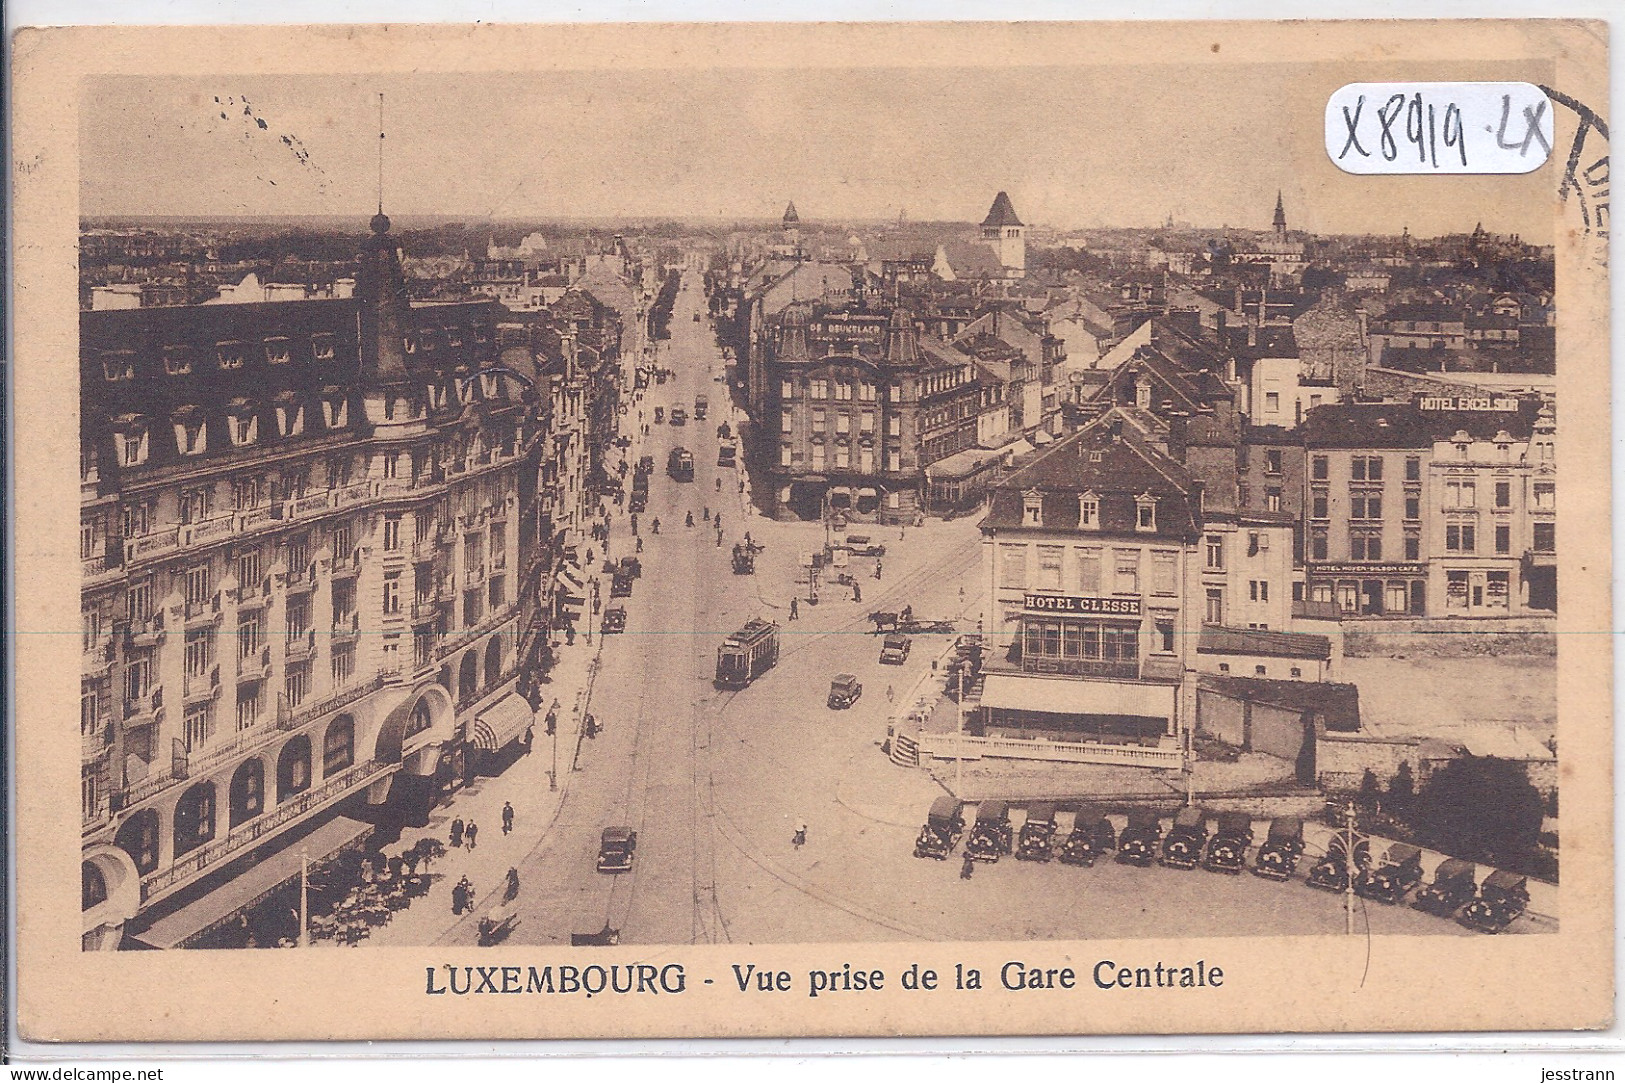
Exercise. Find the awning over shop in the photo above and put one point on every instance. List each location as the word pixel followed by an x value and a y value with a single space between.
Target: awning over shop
pixel 572 593
pixel 503 723
pixel 196 918
pixel 1059 695
pixel 1018 449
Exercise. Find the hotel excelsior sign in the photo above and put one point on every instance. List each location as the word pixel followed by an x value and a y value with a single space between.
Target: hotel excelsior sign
pixel 1071 603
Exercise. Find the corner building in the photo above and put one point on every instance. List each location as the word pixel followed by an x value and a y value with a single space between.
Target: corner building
pixel 300 536
pixel 1091 568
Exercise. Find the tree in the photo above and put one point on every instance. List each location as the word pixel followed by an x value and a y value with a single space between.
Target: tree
pixel 1368 784
pixel 1480 807
pixel 1403 786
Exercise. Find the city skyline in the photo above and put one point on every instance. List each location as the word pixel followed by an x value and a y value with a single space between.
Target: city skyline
pixel 1076 148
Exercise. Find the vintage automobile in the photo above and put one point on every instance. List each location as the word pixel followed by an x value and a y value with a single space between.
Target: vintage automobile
pixel 744 559
pixel 679 416
pixel 726 456
pixel 1332 872
pixel 943 827
pixel 1092 837
pixel 621 585
pixel 894 650
pixel 991 835
pixel 614 619
pixel 1501 898
pixel 1227 851
pixel 646 464
pixel 861 545
pixel 1283 845
pixel 701 404
pixel 1137 845
pixel 1182 848
pixel 844 690
pixel 623 441
pixel 616 848
pixel 632 566
pixel 1454 885
pixel 660 412
pixel 639 501
pixel 1037 833
pixel 724 432
pixel 1391 881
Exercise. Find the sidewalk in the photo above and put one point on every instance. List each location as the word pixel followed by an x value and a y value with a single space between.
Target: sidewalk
pixel 525 784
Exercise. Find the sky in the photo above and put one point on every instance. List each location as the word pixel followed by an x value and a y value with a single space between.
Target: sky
pixel 1075 147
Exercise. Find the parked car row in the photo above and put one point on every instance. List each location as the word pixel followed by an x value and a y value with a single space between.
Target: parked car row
pixel 1453 891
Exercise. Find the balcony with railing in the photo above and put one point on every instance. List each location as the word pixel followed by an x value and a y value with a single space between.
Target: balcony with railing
pixel 142 634
pixel 200 687
pixel 346 626
pixel 145 708
pixel 255 664
pixel 202 612
pixel 97 657
pixel 300 646
pixel 347 565
pixel 245 835
pixel 292 717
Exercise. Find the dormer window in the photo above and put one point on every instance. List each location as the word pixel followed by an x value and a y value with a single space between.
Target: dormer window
pixel 191 432
pixel 1089 511
pixel 277 351
pixel 243 423
pixel 118 365
pixel 178 360
pixel 1142 393
pixel 130 434
pixel 1145 512
pixel 322 347
pixel 290 415
pixel 1032 508
pixel 230 355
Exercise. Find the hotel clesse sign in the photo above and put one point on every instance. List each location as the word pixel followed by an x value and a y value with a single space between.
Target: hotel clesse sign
pixel 1071 603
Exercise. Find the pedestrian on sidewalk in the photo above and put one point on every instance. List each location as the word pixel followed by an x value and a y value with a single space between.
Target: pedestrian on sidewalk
pixel 634 522
pixel 513 885
pixel 708 513
pixel 507 817
pixel 473 830
pixel 689 521
pixel 793 614
pixel 877 569
pixel 456 832
pixel 968 868
pixel 655 526
pixel 640 545
pixel 889 693
pixel 741 485
pixel 857 592
pixel 719 539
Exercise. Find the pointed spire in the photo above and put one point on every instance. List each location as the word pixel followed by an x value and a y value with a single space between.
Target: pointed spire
pixel 790 215
pixel 1002 213
pixel 1280 213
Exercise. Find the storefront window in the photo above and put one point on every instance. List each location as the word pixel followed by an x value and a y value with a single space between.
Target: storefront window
pixel 1087 648
pixel 1498 590
pixel 1455 590
pixel 1397 596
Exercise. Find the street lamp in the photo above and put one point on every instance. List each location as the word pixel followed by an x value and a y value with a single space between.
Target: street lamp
pixel 304 898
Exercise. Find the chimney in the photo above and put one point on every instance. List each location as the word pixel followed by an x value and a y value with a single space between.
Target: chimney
pixel 1177 435
pixel 1117 430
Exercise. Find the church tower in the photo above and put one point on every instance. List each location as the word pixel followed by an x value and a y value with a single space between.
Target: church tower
pixel 1280 216
pixel 1003 231
pixel 790 226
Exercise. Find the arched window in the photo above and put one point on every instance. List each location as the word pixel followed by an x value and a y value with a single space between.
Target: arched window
pixel 139 838
pixel 444 679
pixel 247 797
pixel 293 768
pixel 194 818
pixel 468 677
pixel 93 885
pixel 338 747
pixel 493 660
pixel 422 718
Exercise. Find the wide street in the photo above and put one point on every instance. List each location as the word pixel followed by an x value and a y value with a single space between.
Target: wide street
pixel 714 782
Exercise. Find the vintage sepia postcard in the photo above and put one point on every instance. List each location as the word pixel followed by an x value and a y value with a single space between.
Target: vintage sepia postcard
pixel 750 530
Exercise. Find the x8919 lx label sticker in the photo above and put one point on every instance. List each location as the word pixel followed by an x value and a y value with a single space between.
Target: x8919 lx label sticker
pixel 1420 128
